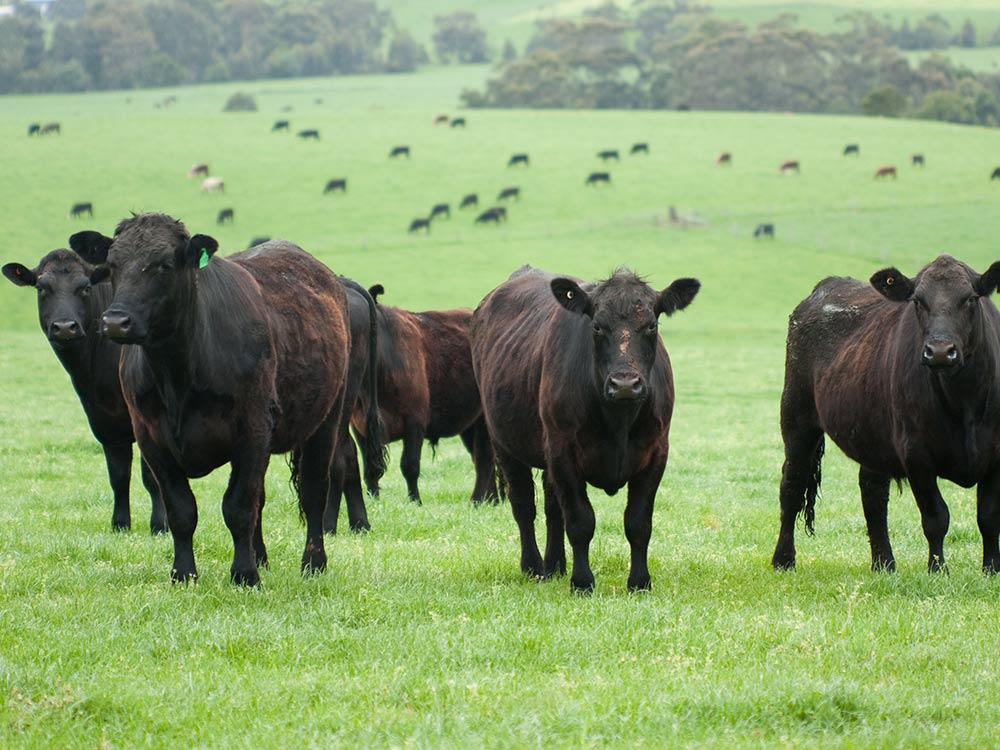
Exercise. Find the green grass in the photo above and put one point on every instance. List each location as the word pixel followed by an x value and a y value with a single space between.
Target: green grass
pixel 423 633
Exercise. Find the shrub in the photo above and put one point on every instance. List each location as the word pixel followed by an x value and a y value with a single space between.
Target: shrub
pixel 241 102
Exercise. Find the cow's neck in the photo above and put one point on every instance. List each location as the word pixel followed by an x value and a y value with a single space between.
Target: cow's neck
pixel 972 391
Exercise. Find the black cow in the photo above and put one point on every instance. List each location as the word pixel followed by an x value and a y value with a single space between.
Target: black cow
pixel 471 199
pixel 226 214
pixel 904 376
pixel 494 214
pixel 458 122
pixel 338 183
pixel 596 177
pixel 427 391
pixel 34 129
pixel 440 209
pixel 71 300
pixel 764 230
pixel 852 148
pixel 258 241
pixel 995 175
pixel 509 192
pixel 399 151
pixel 79 209
pixel 639 148
pixel 588 402
pixel 789 166
pixel 441 120
pixel 309 133
pixel 420 224
pixel 280 125
pixel 50 127
pixel 608 154
pixel 917 160
pixel 724 159
pixel 517 159
pixel 228 361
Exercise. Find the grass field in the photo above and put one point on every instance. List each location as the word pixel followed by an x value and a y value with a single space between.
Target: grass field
pixel 423 633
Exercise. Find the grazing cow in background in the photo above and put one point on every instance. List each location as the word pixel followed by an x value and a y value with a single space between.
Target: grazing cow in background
pixel 399 151
pixel 362 369
pixel 338 183
pixel 589 402
pixel 495 214
pixel 608 154
pixel 639 148
pixel 471 199
pixel 596 177
pixel 213 184
pixel 225 215
pixel 509 192
pixel 724 159
pixel 71 300
pixel 420 224
pixel 201 168
pixel 440 209
pixel 764 230
pixel 904 376
pixel 34 129
pixel 50 127
pixel 441 120
pixel 309 133
pixel 789 166
pixel 280 125
pixel 228 360
pixel 458 122
pixel 886 171
pixel 258 241
pixel 79 209
pixel 852 148
pixel 517 159
pixel 995 175
pixel 427 391
pixel 917 160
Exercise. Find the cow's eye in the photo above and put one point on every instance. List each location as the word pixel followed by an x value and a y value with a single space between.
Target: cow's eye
pixel 85 291
pixel 165 266
pixel 971 301
pixel 597 329
pixel 651 328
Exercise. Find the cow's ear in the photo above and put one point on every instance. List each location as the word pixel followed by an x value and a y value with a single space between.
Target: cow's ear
pixel 200 248
pixel 375 290
pixel 892 284
pixel 91 246
pixel 99 274
pixel 677 296
pixel 569 294
pixel 20 275
pixel 989 281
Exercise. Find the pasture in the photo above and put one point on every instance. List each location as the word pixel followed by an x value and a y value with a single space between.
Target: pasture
pixel 423 633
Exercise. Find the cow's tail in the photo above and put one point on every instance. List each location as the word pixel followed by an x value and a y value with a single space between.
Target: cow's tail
pixel 813 486
pixel 294 467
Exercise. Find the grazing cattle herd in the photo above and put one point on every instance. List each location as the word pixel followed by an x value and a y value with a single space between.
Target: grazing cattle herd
pixel 206 360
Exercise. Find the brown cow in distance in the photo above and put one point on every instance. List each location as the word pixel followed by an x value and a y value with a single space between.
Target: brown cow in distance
pixel 887 171
pixel 226 360
pixel 725 159
pixel 575 381
pixel 904 376
pixel 427 391
pixel 789 166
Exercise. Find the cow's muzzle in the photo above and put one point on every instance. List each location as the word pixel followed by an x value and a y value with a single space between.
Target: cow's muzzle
pixel 64 331
pixel 941 355
pixel 624 387
pixel 118 326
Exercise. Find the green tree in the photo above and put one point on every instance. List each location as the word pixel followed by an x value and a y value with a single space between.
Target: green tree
pixel 967 36
pixel 458 36
pixel 884 101
pixel 404 53
pixel 948 106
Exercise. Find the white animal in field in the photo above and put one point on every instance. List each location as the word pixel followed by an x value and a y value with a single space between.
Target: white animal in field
pixel 212 184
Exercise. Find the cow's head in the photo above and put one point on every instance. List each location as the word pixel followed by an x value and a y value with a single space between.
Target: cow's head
pixel 623 312
pixel 945 299
pixel 63 281
pixel 153 264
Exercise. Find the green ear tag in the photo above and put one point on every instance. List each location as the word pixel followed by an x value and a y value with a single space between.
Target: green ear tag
pixel 203 260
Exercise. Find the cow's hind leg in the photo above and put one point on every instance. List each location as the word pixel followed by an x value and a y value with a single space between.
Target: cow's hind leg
pixel 119 461
pixel 409 464
pixel 521 493
pixel 555 530
pixel 357 511
pixel 477 441
pixel 988 516
pixel 800 480
pixel 313 483
pixel 875 502
pixel 639 521
pixel 158 512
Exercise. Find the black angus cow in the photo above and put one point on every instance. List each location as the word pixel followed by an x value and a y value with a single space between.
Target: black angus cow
pixel 724 159
pixel 362 369
pixel 199 169
pixel 420 223
pixel 904 376
pixel 852 148
pixel 79 209
pixel 440 209
pixel 596 177
pixel 458 122
pixel 280 125
pixel 496 214
pixel 639 148
pixel 588 402
pixel 427 391
pixel 517 159
pixel 226 214
pixel 229 360
pixel 441 120
pixel 309 133
pixel 917 160
pixel 399 151
pixel 50 127
pixel 995 175
pixel 258 241
pixel 471 199
pixel 789 166
pixel 764 230
pixel 608 154
pixel 34 129
pixel 70 303
pixel 509 192
pixel 338 183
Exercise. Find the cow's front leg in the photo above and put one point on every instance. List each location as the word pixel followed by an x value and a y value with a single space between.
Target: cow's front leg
pixel 934 517
pixel 180 505
pixel 241 508
pixel 988 516
pixel 639 520
pixel 578 515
